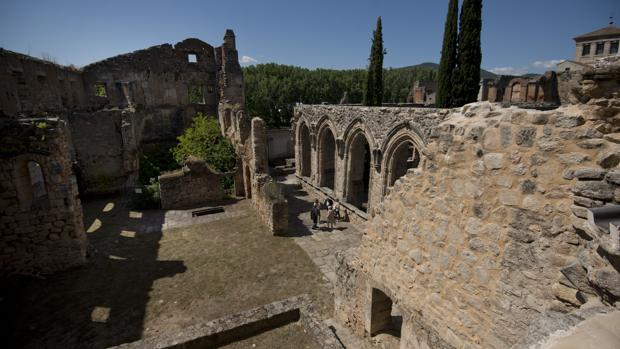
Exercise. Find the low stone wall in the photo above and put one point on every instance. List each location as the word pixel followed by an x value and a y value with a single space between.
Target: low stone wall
pixel 41 227
pixel 194 184
pixel 236 327
pixel 271 206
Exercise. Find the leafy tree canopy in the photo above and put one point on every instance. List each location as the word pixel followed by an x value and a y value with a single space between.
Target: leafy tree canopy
pixel 272 90
pixel 204 140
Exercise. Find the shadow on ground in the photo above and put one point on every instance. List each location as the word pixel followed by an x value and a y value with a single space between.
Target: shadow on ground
pixel 102 303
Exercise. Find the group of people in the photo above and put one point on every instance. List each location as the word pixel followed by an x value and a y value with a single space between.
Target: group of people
pixel 333 213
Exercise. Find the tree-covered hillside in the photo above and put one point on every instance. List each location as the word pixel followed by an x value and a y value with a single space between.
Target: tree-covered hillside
pixel 272 90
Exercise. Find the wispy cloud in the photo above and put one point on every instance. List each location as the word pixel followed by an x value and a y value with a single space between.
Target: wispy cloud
pixel 536 66
pixel 546 64
pixel 509 70
pixel 247 60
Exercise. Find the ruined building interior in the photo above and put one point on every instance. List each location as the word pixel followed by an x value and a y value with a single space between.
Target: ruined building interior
pixel 493 225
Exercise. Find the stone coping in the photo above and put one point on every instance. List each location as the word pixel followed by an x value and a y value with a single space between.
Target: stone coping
pixel 243 325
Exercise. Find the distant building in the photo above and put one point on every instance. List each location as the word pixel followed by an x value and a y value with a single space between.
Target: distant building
pixel 569 65
pixel 597 44
pixel 423 92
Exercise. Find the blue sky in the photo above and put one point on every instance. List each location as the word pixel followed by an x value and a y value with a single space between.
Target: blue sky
pixel 518 36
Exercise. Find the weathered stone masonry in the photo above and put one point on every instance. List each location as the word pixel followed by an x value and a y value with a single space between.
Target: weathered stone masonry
pixel 41 229
pixel 489 234
pixel 356 153
pixel 115 106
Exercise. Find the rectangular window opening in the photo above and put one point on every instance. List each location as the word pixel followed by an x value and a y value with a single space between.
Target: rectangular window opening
pixel 100 90
pixel 192 58
pixel 600 48
pixel 585 50
pixel 613 48
pixel 196 95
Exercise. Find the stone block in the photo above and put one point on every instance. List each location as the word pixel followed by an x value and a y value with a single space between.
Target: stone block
pixel 589 173
pixel 594 190
pixel 569 121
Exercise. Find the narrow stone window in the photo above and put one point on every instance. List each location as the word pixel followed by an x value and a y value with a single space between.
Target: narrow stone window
pixel 30 185
pixel 100 90
pixel 210 89
pixel 585 50
pixel 41 78
pixel 613 47
pixel 600 48
pixel 192 58
pixel 196 95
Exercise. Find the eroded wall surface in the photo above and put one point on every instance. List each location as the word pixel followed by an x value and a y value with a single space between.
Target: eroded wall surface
pixel 41 229
pixel 115 105
pixel 491 232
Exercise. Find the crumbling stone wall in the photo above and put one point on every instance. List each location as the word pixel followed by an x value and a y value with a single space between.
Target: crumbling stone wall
pixel 134 98
pixel 489 233
pixel 41 228
pixel 194 184
pixel 31 86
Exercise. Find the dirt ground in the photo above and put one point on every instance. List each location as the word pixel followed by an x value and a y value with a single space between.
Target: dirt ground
pixel 291 336
pixel 140 281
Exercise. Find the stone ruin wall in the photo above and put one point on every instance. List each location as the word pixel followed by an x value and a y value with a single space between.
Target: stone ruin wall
pixel 489 234
pixel 267 197
pixel 147 100
pixel 384 128
pixel 196 183
pixel 41 229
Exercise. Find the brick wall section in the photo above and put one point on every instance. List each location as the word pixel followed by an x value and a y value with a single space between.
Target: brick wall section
pixel 489 233
pixel 39 234
pixel 194 184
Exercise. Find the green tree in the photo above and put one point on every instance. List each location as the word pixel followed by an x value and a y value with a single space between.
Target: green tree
pixel 448 57
pixel 467 76
pixel 204 140
pixel 374 80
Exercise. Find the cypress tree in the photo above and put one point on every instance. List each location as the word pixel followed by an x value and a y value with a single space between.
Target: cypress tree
pixel 448 57
pixel 467 76
pixel 374 81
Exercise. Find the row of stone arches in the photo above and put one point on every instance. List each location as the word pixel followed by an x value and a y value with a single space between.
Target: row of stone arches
pixel 352 166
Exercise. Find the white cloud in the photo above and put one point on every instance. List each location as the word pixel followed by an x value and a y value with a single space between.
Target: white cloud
pixel 546 64
pixel 533 67
pixel 509 70
pixel 247 60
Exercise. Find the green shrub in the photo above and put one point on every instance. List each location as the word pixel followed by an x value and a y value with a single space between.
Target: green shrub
pixel 204 140
pixel 155 160
pixel 148 198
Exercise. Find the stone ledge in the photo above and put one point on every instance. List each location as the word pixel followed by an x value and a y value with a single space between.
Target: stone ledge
pixel 243 325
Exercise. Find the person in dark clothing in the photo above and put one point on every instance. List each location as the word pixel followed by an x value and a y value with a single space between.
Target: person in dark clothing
pixel 315 214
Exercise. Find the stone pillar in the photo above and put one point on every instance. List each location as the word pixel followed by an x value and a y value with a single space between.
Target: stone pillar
pixel 259 146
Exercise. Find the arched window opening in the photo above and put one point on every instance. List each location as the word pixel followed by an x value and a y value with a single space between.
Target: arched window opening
pixel 359 172
pixel 30 185
pixel 327 149
pixel 405 157
pixel 304 144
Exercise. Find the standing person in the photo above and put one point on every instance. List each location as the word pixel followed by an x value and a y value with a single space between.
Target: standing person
pixel 337 209
pixel 331 218
pixel 315 214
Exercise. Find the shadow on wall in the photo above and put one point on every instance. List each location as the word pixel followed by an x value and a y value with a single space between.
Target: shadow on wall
pixel 101 304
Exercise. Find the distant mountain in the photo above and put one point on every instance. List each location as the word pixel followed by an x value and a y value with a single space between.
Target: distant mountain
pixel 485 74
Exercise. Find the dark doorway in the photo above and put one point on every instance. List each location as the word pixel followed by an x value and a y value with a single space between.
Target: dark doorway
pixel 304 144
pixel 359 172
pixel 384 318
pixel 328 158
